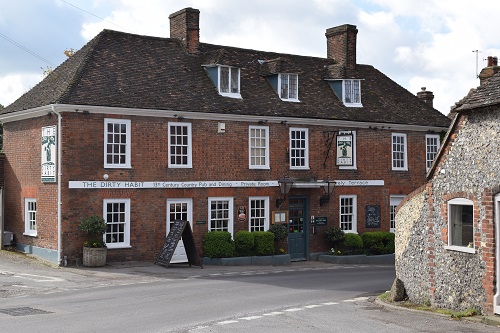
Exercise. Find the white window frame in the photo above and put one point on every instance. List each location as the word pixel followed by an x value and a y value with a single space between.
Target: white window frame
pixel 352 214
pixel 460 248
pixel 349 88
pixel 231 70
pixel 252 147
pixel 30 222
pixel 126 222
pixel 189 146
pixel 128 144
pixel 287 91
pixel 404 145
pixel 354 152
pixel 394 201
pixel 230 208
pixel 432 144
pixel 251 214
pixel 305 149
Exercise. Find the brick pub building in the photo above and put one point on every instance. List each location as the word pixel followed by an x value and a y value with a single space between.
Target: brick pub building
pixel 145 130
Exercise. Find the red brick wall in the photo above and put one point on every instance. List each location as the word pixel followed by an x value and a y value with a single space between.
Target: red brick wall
pixel 216 156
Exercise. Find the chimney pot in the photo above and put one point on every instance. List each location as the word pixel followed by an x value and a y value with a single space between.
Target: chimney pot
pixel 426 96
pixel 491 69
pixel 490 61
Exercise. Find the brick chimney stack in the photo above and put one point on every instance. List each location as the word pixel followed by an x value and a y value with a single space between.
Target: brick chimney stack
pixel 426 96
pixel 185 26
pixel 491 69
pixel 341 44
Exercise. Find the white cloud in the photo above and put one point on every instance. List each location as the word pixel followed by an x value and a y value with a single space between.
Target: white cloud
pixel 13 86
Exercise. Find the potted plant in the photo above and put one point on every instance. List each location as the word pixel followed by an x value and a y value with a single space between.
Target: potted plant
pixel 94 248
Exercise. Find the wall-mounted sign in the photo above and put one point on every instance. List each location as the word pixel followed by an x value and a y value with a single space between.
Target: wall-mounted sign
pixel 373 216
pixel 242 214
pixel 344 150
pixel 94 184
pixel 319 221
pixel 48 154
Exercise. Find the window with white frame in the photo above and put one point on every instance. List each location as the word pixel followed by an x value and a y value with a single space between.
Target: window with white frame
pixel 399 155
pixel 352 93
pixel 30 217
pixel 432 143
pixel 220 212
pixel 116 212
pixel 299 148
pixel 354 152
pixel 461 223
pixel 179 145
pixel 348 213
pixel 395 200
pixel 117 143
pixel 258 140
pixel 229 81
pixel 258 219
pixel 288 87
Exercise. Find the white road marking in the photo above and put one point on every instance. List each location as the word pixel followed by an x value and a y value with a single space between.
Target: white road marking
pixel 250 318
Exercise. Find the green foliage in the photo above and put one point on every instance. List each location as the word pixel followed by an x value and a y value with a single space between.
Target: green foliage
pixel 334 236
pixel 378 242
pixel 353 242
pixel 218 244
pixel 94 226
pixel 264 243
pixel 244 243
pixel 280 232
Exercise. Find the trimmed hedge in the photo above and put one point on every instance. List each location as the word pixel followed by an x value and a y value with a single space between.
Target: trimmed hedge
pixel 263 243
pixel 378 242
pixel 218 244
pixel 280 232
pixel 353 242
pixel 334 236
pixel 244 243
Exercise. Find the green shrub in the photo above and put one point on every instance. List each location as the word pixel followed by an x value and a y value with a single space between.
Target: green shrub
pixel 378 242
pixel 244 243
pixel 334 236
pixel 264 243
pixel 280 232
pixel 218 244
pixel 353 243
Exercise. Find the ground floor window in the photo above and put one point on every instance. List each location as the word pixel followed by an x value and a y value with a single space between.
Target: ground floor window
pixel 220 212
pixel 348 212
pixel 30 217
pixel 259 214
pixel 117 215
pixel 395 200
pixel 460 223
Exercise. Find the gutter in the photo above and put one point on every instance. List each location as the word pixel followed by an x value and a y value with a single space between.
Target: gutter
pixel 59 179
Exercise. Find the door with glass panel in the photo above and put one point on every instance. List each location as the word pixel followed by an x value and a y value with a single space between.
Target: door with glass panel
pixel 179 209
pixel 298 225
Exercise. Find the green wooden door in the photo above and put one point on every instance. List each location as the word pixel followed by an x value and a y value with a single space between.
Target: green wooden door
pixel 298 226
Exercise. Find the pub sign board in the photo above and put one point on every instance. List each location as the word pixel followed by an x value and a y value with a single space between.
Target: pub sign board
pixel 344 150
pixel 48 157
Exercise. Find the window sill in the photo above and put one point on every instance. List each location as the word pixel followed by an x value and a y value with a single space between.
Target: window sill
pixel 117 166
pixel 293 100
pixel 460 249
pixel 30 235
pixel 353 105
pixel 231 95
pixel 111 247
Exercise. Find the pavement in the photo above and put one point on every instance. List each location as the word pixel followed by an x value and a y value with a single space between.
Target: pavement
pixel 24 275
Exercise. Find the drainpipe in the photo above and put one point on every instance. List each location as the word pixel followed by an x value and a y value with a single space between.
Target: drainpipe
pixel 59 178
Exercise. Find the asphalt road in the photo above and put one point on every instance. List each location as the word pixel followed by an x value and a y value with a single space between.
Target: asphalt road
pixel 141 297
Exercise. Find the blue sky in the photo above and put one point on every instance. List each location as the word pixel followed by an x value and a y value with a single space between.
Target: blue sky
pixel 425 43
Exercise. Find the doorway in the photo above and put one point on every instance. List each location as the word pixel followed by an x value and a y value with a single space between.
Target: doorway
pixel 179 209
pixel 298 228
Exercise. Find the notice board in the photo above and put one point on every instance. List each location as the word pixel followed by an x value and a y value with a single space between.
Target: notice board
pixel 180 228
pixel 373 216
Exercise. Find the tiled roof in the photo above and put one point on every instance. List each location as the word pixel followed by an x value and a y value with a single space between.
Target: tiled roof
pixel 487 94
pixel 124 70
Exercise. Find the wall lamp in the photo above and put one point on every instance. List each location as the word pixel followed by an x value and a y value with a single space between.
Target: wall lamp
pixel 330 185
pixel 285 186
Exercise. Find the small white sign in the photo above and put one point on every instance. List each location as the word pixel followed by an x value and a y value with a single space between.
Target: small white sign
pixel 48 154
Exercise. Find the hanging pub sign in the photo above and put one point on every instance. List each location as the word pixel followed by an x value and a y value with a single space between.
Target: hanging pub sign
pixel 49 154
pixel 344 150
pixel 242 214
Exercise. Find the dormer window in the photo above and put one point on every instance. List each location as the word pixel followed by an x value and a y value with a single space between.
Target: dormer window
pixel 288 87
pixel 226 79
pixel 349 91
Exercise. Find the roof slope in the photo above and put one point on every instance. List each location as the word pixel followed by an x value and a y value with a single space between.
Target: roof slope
pixel 487 94
pixel 124 70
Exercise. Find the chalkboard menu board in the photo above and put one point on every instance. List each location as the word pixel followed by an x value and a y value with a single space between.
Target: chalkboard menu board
pixel 179 228
pixel 373 216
